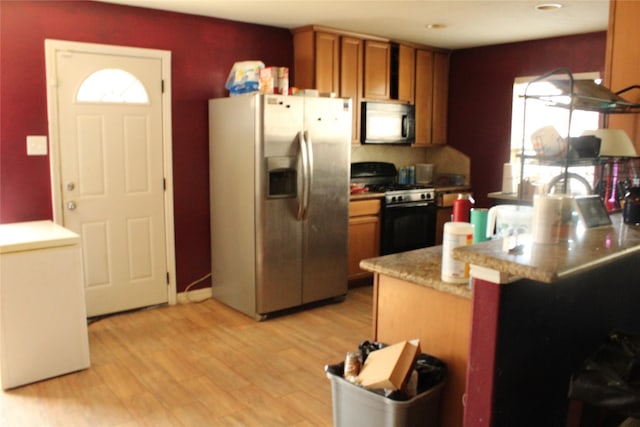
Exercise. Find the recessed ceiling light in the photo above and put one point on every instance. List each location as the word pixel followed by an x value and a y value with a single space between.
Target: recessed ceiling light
pixel 548 6
pixel 436 26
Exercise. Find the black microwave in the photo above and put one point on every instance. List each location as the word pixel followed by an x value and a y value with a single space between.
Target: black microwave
pixel 387 123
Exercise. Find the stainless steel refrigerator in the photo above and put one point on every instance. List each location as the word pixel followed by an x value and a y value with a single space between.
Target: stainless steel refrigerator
pixel 279 195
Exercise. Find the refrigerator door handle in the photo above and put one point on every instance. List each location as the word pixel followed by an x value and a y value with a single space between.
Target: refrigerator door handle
pixel 302 191
pixel 309 174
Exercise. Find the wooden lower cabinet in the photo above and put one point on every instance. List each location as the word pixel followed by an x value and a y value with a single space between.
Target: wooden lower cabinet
pixel 364 235
pixel 441 321
pixel 443 215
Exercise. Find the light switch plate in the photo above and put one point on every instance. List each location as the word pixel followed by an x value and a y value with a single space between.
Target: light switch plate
pixel 36 145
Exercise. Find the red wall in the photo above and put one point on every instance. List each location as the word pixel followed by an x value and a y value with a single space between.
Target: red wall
pixel 481 90
pixel 203 52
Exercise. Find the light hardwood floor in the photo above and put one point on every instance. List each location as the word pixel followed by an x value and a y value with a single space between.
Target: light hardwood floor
pixel 200 364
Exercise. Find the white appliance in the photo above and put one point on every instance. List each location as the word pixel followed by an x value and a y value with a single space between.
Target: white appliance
pixel 279 194
pixel 43 322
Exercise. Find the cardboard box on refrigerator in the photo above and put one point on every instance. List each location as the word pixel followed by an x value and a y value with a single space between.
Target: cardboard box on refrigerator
pixel 390 367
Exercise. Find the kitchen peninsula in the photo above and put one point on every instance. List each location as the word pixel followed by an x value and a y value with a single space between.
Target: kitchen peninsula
pixel 527 325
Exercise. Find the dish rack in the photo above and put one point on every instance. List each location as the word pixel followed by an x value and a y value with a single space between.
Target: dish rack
pixel 610 175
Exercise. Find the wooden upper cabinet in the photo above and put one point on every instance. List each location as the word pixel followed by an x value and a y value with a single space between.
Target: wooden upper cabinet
pixel 424 96
pixel 440 97
pixel 351 63
pixel 327 62
pixel 622 68
pixel 377 68
pixel 432 86
pixel 316 60
pixel 369 68
pixel 406 73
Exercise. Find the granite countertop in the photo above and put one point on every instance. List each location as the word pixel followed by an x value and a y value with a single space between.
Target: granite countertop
pixel 585 250
pixel 420 266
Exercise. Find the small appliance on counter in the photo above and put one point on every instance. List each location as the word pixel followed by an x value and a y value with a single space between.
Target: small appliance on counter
pixel 631 210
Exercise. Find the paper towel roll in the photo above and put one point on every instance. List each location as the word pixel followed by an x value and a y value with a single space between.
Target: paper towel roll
pixel 507 178
pixel 547 212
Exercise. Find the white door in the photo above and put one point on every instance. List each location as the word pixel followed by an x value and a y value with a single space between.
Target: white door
pixel 112 176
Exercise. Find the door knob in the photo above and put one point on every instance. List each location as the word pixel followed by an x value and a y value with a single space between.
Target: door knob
pixel 71 205
pixel 71 186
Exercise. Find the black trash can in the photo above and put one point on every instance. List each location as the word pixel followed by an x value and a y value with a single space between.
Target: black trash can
pixel 609 379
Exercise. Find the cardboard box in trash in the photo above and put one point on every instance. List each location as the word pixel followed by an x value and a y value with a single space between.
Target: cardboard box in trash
pixel 390 367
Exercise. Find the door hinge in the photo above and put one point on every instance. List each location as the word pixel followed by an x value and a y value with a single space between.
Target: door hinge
pixel 168 281
pixel 164 184
pixel 162 86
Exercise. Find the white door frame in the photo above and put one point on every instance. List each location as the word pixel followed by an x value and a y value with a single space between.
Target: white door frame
pixel 54 46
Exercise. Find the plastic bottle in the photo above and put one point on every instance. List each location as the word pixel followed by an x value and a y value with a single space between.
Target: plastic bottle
pixel 455 234
pixel 462 208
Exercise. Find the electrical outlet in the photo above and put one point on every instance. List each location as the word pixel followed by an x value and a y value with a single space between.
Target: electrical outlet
pixel 36 145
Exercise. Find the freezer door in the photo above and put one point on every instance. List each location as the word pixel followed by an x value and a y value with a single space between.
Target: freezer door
pixel 325 236
pixel 279 233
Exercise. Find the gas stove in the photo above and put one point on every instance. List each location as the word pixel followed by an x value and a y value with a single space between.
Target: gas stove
pixel 382 177
pixel 396 197
pixel 408 214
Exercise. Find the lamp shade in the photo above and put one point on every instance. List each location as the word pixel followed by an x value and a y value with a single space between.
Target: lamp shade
pixel 614 142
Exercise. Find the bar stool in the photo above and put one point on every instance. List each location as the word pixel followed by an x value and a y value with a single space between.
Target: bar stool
pixel 605 392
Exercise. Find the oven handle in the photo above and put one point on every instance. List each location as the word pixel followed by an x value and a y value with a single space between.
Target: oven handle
pixel 411 205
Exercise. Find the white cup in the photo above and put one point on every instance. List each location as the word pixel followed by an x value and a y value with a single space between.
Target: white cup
pixel 547 219
pixel 507 178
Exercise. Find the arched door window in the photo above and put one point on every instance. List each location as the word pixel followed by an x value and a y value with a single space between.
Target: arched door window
pixel 114 86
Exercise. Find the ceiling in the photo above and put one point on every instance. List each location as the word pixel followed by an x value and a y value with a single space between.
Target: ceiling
pixel 467 23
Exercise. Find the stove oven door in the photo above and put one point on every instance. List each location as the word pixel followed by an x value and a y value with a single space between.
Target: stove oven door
pixel 407 226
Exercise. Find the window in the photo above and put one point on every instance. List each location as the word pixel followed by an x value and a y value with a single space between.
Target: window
pixel 112 85
pixel 539 115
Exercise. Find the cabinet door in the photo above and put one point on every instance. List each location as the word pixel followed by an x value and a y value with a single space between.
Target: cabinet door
pixel 424 96
pixel 440 94
pixel 351 79
pixel 377 69
pixel 623 62
pixel 304 58
pixel 327 62
pixel 364 242
pixel 443 216
pixel 406 73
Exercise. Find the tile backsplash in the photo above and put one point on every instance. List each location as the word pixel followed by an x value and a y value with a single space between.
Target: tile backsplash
pixel 444 158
